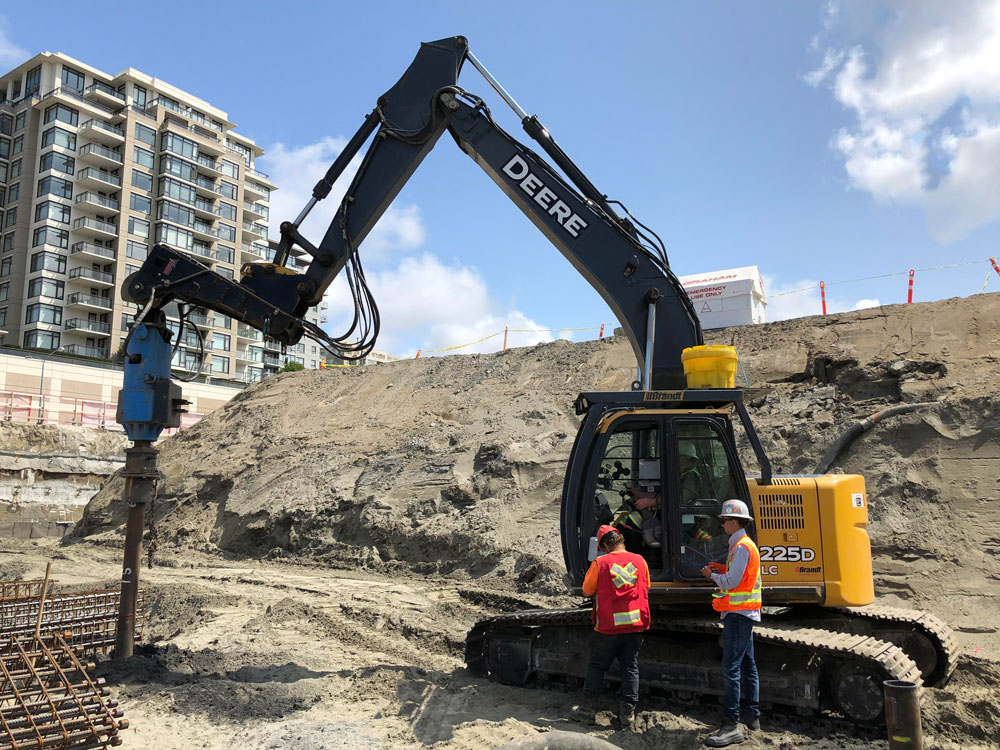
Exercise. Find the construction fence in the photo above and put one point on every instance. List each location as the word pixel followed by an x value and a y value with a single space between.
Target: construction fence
pixel 34 408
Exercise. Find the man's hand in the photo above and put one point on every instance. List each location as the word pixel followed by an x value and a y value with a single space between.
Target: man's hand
pixel 643 499
pixel 707 572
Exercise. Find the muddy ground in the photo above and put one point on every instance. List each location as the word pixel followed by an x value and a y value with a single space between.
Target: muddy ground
pixel 328 537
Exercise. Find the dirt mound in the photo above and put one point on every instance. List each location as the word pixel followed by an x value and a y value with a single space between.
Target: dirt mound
pixel 61 439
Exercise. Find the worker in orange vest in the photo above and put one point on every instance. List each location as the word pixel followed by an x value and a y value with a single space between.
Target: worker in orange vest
pixel 619 582
pixel 739 602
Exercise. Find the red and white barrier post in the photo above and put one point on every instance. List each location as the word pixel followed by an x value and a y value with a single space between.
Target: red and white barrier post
pixel 601 334
pixel 505 338
pixel 909 291
pixel 822 294
pixel 418 353
pixel 995 266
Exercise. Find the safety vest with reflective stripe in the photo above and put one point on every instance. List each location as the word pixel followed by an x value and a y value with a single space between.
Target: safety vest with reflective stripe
pixel 746 595
pixel 622 601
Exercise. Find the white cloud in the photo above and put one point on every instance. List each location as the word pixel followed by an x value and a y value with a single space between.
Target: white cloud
pixel 296 170
pixel 11 54
pixel 422 299
pixel 798 299
pixel 922 78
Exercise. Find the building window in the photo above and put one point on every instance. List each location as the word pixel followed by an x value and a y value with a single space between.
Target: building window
pixel 3 316
pixel 6 265
pixel 8 242
pixel 239 147
pixel 142 180
pixel 42 287
pixel 174 236
pixel 20 119
pixel 55 186
pixel 175 213
pixel 41 340
pixel 227 189
pixel 59 137
pixel 220 342
pixel 230 169
pixel 142 157
pixel 227 272
pixel 58 162
pixel 227 211
pixel 3 196
pixel 140 203
pixel 14 192
pixel 48 262
pixel 4 291
pixel 52 210
pixel 72 79
pixel 33 81
pixel 227 232
pixel 136 250
pixel 220 364
pixel 18 145
pixel 138 227
pixel 177 190
pixel 42 313
pixel 5 148
pixel 145 134
pixel 50 236
pixel 62 113
pixel 225 254
pixel 11 219
pixel 15 169
pixel 178 145
pixel 139 97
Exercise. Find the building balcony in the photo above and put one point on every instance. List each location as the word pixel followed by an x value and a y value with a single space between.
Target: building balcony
pixel 253 211
pixel 206 188
pixel 104 94
pixel 91 251
pixel 94 178
pixel 86 351
pixel 205 209
pixel 254 231
pixel 205 232
pixel 95 153
pixel 261 177
pixel 209 164
pixel 88 301
pixel 95 228
pixel 88 326
pixel 249 355
pixel 102 230
pixel 256 192
pixel 250 334
pixel 92 202
pixel 75 99
pixel 257 252
pixel 201 252
pixel 271 359
pixel 102 132
pixel 90 277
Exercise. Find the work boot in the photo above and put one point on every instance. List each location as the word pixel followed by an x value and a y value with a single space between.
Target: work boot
pixel 585 711
pixel 626 715
pixel 753 724
pixel 729 734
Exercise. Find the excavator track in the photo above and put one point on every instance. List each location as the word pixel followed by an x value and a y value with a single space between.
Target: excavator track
pixel 826 674
pixel 927 640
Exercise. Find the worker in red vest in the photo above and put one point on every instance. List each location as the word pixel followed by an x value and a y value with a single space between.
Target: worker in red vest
pixel 619 582
pixel 739 602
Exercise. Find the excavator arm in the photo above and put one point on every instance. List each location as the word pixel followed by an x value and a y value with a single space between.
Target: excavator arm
pixel 626 268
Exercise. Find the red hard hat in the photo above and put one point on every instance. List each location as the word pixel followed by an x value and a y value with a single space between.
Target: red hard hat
pixel 605 529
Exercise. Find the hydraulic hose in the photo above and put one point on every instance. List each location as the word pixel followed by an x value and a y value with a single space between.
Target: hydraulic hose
pixel 849 435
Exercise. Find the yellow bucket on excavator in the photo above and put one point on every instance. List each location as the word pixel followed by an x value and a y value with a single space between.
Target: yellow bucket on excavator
pixel 710 366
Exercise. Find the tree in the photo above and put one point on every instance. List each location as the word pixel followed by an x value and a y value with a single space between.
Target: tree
pixel 292 367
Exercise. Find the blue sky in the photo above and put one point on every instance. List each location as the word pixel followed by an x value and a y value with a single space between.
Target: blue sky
pixel 835 140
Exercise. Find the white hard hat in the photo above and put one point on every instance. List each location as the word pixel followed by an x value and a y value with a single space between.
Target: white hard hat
pixel 687 449
pixel 735 509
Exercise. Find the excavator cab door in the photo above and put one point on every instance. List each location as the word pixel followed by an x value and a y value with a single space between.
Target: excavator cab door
pixel 706 472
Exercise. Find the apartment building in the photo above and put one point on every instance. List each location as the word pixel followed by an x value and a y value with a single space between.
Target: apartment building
pixel 95 169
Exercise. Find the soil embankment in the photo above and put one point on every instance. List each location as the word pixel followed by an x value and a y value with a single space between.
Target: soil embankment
pixel 425 493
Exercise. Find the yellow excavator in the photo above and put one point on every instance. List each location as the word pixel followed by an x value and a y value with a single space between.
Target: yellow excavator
pixel 824 648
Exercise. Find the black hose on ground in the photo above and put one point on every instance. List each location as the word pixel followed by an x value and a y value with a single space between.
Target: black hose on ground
pixel 863 426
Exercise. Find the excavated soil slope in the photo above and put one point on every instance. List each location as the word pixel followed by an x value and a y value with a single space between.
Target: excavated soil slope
pixel 450 469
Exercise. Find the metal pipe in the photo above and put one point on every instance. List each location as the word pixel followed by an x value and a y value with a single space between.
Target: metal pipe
pixel 140 475
pixel 495 84
pixel 647 375
pixel 902 715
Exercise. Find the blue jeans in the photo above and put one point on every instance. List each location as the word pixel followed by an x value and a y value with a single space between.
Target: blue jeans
pixel 739 667
pixel 604 649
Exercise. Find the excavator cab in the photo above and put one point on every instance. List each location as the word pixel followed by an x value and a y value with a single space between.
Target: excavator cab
pixel 660 475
